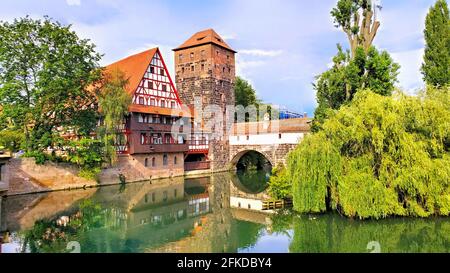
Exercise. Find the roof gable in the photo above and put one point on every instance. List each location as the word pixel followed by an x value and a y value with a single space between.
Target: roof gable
pixel 208 36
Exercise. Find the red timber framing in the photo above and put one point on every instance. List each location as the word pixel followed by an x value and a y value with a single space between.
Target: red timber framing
pixel 156 87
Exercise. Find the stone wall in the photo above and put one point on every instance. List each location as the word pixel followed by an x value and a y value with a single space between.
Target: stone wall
pixel 134 167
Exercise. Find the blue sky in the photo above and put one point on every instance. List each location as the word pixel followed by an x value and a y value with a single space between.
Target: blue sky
pixel 282 44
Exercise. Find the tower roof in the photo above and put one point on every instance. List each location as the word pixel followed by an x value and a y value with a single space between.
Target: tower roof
pixel 204 37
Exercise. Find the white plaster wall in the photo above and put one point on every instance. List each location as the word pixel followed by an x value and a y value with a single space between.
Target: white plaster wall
pixel 265 139
pixel 254 203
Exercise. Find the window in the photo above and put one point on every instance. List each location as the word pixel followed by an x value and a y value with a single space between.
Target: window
pixel 223 70
pixel 163 103
pixel 192 55
pixel 161 71
pixel 182 70
pixel 141 100
pixel 152 102
pixel 192 68
pixel 146 165
pixel 143 136
pixel 249 206
pixel 164 88
pixel 217 52
pixel 165 159
pixel 153 165
pixel 141 118
pixel 228 57
pixel 180 57
pixel 146 197
pixel 150 85
pixel 168 139
pixel 203 53
pixel 172 104
pixel 175 160
pixel 152 69
pixel 203 67
pixel 153 195
pixel 229 70
pixel 279 136
pixel 248 137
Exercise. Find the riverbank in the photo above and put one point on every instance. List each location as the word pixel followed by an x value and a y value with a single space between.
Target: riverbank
pixel 27 177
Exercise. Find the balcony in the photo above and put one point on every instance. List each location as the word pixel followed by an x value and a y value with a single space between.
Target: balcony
pixel 196 165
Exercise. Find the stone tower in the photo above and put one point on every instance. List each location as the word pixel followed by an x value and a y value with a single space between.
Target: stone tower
pixel 205 73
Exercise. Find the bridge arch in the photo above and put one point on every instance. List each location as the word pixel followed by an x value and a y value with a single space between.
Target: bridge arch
pixel 236 156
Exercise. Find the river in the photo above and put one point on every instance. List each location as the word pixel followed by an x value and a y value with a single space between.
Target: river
pixel 218 213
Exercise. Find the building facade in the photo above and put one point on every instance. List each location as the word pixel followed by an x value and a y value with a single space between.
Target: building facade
pixel 205 78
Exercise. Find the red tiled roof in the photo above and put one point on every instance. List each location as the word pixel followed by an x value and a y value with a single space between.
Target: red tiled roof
pixel 293 125
pixel 134 68
pixel 208 36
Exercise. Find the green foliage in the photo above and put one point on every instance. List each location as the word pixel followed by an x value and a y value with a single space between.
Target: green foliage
pixel 280 185
pixel 435 68
pixel 44 71
pixel 374 70
pixel 244 92
pixel 113 102
pixel 87 154
pixel 11 139
pixel 377 156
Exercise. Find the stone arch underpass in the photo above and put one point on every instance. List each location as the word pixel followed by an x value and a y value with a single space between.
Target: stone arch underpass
pixel 275 154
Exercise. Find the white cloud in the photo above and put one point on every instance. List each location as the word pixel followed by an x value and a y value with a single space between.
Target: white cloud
pixel 73 2
pixel 410 77
pixel 260 52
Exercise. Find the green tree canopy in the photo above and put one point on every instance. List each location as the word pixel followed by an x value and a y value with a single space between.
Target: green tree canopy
pixel 436 65
pixel 244 92
pixel 113 102
pixel 44 71
pixel 377 156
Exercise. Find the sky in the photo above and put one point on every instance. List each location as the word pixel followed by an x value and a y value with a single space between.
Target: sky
pixel 282 44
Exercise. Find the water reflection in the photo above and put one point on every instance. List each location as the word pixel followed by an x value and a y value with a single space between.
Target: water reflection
pixel 209 214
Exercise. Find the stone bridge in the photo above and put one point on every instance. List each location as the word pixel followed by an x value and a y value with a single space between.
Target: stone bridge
pixel 273 139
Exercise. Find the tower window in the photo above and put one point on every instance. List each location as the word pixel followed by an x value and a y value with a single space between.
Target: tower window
pixel 229 70
pixel 192 55
pixel 203 67
pixel 217 52
pixel 192 68
pixel 223 70
pixel 180 57
pixel 228 57
pixel 153 165
pixel 146 165
pixel 175 160
pixel 165 159
pixel 182 70
pixel 203 53
pixel 279 136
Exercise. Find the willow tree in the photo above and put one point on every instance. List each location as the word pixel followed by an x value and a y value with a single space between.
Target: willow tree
pixel 376 157
pixel 113 101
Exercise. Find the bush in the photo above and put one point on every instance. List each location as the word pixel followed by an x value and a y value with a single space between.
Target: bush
pixel 280 185
pixel 376 157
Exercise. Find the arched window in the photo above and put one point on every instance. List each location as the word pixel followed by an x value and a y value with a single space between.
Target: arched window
pixel 146 162
pixel 153 162
pixel 165 157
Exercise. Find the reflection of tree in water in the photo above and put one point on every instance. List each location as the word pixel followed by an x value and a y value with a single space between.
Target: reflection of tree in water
pixel 253 160
pixel 252 181
pixel 332 233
